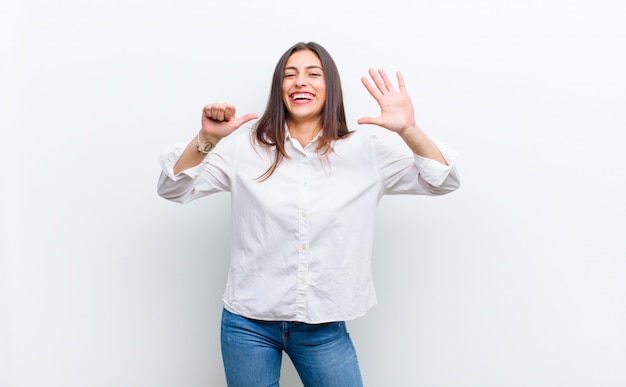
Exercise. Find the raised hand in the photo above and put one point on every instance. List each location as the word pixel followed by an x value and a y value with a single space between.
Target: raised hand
pixel 396 108
pixel 397 115
pixel 219 120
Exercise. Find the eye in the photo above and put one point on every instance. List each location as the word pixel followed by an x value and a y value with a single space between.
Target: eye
pixel 289 75
pixel 315 75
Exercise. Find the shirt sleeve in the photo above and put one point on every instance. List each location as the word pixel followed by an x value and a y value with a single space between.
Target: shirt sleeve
pixel 210 176
pixel 436 173
pixel 413 174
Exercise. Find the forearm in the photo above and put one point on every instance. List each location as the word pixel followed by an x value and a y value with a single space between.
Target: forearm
pixel 191 156
pixel 421 144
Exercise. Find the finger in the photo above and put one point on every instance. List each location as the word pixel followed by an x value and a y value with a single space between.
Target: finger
pixel 211 111
pixel 386 80
pixel 206 111
pixel 217 112
pixel 379 82
pixel 370 88
pixel 229 112
pixel 401 84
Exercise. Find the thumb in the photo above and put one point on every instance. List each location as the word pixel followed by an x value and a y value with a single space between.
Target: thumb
pixel 245 118
pixel 367 120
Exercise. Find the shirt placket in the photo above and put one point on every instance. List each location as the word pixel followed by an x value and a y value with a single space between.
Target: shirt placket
pixel 303 236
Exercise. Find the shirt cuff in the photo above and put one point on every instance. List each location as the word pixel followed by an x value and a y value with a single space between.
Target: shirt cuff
pixel 434 172
pixel 168 159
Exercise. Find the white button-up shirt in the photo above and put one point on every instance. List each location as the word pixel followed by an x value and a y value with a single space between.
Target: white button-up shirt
pixel 301 244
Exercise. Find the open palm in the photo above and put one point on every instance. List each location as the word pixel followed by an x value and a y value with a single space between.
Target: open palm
pixel 396 108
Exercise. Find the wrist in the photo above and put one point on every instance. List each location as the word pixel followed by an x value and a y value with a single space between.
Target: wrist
pixel 412 131
pixel 204 144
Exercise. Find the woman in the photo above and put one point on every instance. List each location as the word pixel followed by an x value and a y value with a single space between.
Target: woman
pixel 304 190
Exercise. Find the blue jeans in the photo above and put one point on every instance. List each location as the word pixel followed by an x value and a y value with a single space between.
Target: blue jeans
pixel 322 354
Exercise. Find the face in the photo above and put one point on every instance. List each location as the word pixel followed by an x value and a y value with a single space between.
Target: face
pixel 304 86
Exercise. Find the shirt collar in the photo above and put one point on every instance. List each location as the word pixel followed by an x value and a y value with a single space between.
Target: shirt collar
pixel 314 140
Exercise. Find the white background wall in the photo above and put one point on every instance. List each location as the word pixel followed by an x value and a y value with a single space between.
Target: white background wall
pixel 517 279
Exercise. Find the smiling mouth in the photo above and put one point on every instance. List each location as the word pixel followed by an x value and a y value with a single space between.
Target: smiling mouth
pixel 302 96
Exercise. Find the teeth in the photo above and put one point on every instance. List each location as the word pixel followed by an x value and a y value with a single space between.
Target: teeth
pixel 301 96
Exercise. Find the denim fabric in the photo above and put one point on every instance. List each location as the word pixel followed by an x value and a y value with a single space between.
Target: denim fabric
pixel 322 354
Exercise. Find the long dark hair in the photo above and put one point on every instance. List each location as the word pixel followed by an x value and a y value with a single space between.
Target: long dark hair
pixel 270 129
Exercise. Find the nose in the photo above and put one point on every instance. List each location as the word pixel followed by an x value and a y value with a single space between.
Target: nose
pixel 301 80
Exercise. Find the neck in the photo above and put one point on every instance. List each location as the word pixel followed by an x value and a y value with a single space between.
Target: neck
pixel 304 132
